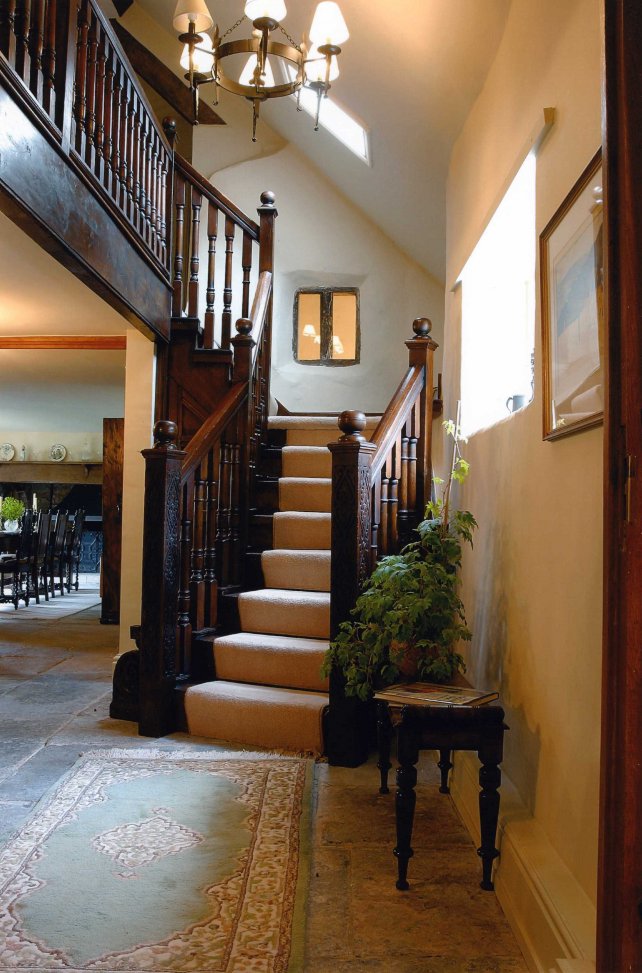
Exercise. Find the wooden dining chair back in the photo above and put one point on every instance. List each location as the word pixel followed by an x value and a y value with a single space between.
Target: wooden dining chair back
pixel 38 557
pixel 56 556
pixel 14 573
pixel 72 551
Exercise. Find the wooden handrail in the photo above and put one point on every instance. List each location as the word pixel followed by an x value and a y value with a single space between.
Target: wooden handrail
pixel 395 416
pixel 202 441
pixel 214 196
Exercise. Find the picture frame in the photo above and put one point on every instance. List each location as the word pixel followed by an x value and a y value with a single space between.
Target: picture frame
pixel 572 309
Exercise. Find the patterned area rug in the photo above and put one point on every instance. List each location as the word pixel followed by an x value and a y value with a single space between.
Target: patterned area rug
pixel 153 861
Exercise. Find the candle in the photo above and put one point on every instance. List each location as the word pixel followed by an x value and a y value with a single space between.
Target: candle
pixel 35 503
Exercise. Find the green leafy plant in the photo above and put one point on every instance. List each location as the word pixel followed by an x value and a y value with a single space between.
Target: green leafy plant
pixel 12 509
pixel 409 615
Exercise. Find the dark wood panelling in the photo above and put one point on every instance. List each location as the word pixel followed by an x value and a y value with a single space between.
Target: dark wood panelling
pixel 113 440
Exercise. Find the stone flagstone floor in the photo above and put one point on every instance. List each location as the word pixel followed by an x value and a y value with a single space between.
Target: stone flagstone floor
pixel 54 699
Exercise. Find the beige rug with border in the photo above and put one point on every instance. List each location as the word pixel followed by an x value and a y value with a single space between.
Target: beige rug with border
pixel 162 861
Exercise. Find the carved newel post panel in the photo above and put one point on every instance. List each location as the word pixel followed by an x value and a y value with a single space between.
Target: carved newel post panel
pixel 351 566
pixel 161 576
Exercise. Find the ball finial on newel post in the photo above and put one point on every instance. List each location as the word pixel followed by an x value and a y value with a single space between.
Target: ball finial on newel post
pixel 352 423
pixel 165 434
pixel 422 327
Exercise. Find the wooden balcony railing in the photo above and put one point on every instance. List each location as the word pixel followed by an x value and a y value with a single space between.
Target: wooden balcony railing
pixel 379 492
pixel 64 61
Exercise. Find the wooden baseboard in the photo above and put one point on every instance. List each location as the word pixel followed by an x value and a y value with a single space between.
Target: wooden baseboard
pixel 550 913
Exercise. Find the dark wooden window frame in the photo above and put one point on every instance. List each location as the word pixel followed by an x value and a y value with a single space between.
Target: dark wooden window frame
pixel 326 294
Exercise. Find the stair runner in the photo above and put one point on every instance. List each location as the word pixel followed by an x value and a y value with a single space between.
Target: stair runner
pixel 269 691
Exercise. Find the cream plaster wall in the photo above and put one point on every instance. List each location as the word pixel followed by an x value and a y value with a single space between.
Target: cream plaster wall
pixel 139 412
pixel 532 585
pixel 323 239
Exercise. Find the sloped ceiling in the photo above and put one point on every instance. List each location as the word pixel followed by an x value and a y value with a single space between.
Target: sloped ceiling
pixel 411 71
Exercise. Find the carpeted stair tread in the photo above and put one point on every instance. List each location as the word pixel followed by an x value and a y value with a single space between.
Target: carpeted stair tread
pixel 308 461
pixel 315 430
pixel 312 493
pixel 302 570
pixel 300 530
pixel 280 719
pixel 271 660
pixel 280 611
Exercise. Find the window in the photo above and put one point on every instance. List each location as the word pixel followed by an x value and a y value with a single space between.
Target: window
pixel 498 310
pixel 326 326
pixel 334 118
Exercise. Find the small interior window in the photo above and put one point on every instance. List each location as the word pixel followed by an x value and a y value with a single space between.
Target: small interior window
pixel 326 326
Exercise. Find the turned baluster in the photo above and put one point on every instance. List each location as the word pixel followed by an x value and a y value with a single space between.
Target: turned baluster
pixel 156 179
pixel 149 180
pixel 122 141
pixel 393 504
pixel 247 269
pixel 179 203
pixel 235 516
pixel 183 621
pixel 8 32
pixel 223 533
pixel 36 46
pixel 162 210
pixel 108 140
pixel 115 128
pixel 210 293
pixel 403 514
pixel 226 325
pixel 138 167
pixel 99 131
pixel 80 80
pixel 412 479
pixel 90 92
pixel 49 59
pixel 195 236
pixel 197 588
pixel 23 25
pixel 129 152
pixel 384 526
pixel 211 581
pixel 145 165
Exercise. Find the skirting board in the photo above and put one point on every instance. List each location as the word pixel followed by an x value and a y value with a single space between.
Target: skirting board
pixel 550 913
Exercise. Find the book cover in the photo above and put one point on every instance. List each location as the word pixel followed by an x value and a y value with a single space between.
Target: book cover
pixel 434 694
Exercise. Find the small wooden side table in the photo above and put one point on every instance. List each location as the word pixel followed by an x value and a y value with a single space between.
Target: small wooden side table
pixel 442 728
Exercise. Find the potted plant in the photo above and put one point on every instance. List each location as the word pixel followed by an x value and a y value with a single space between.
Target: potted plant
pixel 409 617
pixel 11 511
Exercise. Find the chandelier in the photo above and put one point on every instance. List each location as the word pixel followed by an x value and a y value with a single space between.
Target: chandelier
pixel 312 64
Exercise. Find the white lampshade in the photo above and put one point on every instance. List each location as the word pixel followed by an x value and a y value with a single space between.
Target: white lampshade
pixel 192 12
pixel 247 74
pixel 315 66
pixel 272 9
pixel 203 56
pixel 328 25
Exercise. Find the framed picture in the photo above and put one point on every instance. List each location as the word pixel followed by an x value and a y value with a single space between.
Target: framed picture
pixel 571 274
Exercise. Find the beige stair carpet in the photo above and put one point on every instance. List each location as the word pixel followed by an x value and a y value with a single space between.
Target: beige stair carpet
pixel 269 691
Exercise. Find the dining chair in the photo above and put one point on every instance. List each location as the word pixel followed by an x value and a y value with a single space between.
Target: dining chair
pixel 38 557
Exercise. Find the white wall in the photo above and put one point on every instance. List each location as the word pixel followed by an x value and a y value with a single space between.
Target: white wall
pixel 322 239
pixel 532 585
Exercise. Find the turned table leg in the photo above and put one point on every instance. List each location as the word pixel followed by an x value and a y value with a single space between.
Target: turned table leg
pixel 489 781
pixel 408 754
pixel 384 735
pixel 444 765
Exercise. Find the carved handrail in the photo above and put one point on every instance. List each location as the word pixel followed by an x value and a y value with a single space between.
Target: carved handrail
pixel 379 492
pixel 210 192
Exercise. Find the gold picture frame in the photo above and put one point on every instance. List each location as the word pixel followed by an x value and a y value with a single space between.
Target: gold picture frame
pixel 572 301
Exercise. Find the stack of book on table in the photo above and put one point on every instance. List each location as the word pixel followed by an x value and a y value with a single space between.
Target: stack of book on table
pixel 433 694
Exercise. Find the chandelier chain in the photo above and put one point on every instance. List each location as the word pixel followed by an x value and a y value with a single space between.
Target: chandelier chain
pixel 290 39
pixel 234 26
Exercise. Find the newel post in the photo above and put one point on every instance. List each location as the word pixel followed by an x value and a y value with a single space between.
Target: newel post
pixel 347 742
pixel 267 216
pixel 421 351
pixel 161 575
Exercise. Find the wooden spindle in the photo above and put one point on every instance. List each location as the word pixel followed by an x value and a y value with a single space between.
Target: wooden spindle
pixel 162 242
pixel 412 479
pixel 137 167
pixel 223 533
pixel 195 237
pixel 226 325
pixel 80 102
pixel 247 269
pixel 235 516
pixel 179 204
pixel 36 47
pixel 90 92
pixel 8 28
pixel 197 587
pixel 49 60
pixel 183 621
pixel 108 140
pixel 99 132
pixel 211 580
pixel 384 527
pixel 148 184
pixel 144 200
pixel 115 128
pixel 210 293
pixel 393 503
pixel 129 151
pixel 122 141
pixel 153 214
pixel 23 31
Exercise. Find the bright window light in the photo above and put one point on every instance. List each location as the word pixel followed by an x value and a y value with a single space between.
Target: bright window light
pixel 336 120
pixel 498 310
